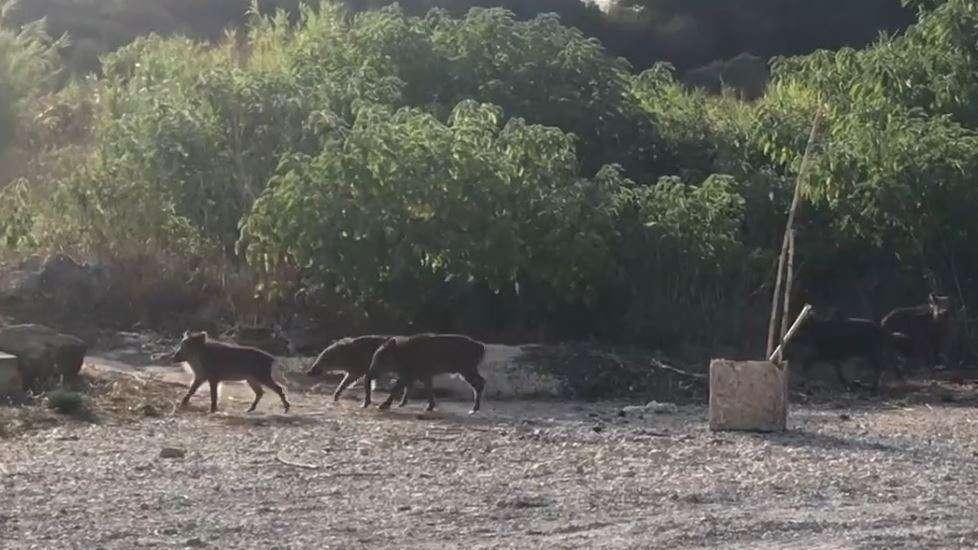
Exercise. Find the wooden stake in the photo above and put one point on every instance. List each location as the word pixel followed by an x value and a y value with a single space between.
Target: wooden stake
pixel 788 280
pixel 775 356
pixel 772 326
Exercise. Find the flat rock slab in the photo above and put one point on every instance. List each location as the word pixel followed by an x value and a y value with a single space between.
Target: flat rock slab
pixel 748 396
pixel 11 383
pixel 507 377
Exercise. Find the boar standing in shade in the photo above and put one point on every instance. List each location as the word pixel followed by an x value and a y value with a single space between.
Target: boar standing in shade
pixel 836 339
pixel 929 327
pixel 423 356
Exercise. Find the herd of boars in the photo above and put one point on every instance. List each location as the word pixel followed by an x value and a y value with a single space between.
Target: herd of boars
pixel 410 358
pixel 920 333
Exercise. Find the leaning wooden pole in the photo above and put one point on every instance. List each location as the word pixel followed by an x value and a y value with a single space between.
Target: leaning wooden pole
pixel 788 280
pixel 786 244
pixel 775 356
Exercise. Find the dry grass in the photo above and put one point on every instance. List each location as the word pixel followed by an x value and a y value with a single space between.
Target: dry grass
pixel 129 397
pixel 111 398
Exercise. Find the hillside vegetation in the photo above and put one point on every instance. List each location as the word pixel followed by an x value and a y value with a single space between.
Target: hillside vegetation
pixel 687 33
pixel 479 172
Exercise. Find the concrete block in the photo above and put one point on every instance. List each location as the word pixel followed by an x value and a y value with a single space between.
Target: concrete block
pixel 748 396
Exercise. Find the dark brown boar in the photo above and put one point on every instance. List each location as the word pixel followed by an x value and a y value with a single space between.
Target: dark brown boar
pixel 215 362
pixel 835 339
pixel 423 356
pixel 349 355
pixel 929 326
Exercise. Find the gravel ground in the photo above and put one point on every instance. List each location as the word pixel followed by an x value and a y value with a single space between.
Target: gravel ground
pixel 893 473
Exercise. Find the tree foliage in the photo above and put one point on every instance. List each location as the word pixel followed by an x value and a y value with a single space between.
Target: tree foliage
pixel 480 172
pixel 29 64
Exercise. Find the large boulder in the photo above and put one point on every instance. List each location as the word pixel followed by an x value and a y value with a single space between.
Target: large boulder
pixel 57 286
pixel 43 353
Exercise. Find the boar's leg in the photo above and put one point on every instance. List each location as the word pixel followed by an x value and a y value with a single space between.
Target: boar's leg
pixel 367 381
pixel 404 394
pixel 430 390
pixel 277 388
pixel 478 384
pixel 255 387
pixel 838 373
pixel 402 384
pixel 197 383
pixel 214 384
pixel 897 367
pixel 877 361
pixel 347 381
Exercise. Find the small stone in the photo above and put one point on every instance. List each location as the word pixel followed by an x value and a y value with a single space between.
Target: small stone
pixel 172 452
pixel 195 543
pixel 597 429
pixel 661 408
pixel 844 417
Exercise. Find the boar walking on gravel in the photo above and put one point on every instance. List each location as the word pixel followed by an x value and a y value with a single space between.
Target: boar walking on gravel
pixel 349 355
pixel 836 339
pixel 423 356
pixel 929 326
pixel 215 362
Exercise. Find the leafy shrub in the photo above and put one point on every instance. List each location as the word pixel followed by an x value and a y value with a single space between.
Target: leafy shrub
pixel 67 402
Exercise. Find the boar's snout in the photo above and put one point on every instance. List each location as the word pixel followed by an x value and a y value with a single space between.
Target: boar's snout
pixel 177 356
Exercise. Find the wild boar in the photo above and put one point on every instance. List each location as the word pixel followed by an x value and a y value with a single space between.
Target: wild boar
pixel 929 326
pixel 349 355
pixel 215 362
pixel 836 338
pixel 423 356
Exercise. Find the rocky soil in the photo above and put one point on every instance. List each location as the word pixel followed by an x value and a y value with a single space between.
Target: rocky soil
pixel 899 471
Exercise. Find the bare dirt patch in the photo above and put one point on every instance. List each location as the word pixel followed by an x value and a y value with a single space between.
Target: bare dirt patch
pixel 854 472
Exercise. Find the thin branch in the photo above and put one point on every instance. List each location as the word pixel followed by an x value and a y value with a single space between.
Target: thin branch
pixel 279 458
pixel 659 365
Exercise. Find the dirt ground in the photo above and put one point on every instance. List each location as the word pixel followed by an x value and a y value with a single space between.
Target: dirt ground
pixel 898 472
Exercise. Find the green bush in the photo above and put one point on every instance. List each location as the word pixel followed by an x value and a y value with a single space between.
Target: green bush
pixel 67 402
